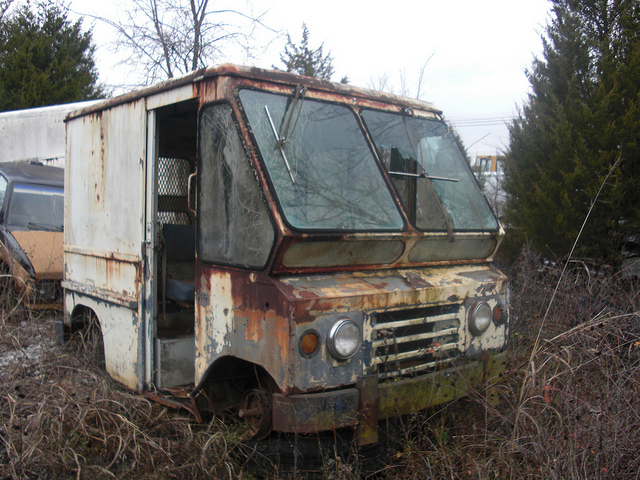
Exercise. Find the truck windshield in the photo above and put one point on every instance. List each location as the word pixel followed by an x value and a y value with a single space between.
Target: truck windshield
pixel 36 207
pixel 430 174
pixel 322 169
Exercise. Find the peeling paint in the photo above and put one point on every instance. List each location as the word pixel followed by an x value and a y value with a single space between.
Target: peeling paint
pixel 408 292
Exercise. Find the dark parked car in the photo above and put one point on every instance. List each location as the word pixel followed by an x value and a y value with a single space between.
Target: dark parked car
pixel 31 218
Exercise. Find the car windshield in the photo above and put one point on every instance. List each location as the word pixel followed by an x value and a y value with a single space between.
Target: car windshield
pixel 322 169
pixel 429 172
pixel 36 207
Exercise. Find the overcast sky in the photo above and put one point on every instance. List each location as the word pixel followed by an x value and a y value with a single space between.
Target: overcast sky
pixel 477 51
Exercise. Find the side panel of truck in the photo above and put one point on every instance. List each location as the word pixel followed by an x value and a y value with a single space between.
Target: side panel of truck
pixel 113 251
pixel 103 252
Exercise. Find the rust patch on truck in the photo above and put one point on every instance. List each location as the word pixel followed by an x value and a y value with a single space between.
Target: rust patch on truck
pixel 253 327
pixel 264 313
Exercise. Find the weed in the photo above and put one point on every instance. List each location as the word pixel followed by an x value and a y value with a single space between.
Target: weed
pixel 576 397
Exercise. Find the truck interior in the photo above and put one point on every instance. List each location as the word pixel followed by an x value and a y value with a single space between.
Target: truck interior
pixel 176 135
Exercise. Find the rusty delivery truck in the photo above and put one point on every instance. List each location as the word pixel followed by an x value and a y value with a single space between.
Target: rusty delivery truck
pixel 311 255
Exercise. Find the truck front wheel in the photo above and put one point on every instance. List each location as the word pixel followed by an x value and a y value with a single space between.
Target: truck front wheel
pixel 255 410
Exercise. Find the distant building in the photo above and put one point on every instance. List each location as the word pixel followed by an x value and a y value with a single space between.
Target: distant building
pixel 489 164
pixel 489 170
pixel 36 134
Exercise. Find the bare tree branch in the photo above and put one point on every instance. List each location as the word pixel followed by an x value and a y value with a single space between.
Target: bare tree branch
pixel 422 77
pixel 383 83
pixel 164 42
pixel 198 12
pixel 165 38
pixel 4 7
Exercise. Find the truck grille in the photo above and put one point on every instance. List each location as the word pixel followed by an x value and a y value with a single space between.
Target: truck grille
pixel 411 341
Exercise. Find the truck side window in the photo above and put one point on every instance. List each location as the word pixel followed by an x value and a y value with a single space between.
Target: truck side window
pixel 233 222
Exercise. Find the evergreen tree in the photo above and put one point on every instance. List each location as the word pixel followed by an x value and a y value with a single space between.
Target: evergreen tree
pixel 45 59
pixel 581 116
pixel 302 60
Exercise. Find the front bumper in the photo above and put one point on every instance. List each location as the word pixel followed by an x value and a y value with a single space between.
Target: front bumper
pixel 370 401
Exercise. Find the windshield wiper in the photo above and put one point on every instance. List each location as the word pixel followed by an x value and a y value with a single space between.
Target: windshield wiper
pixel 42 226
pixel 423 175
pixel 280 143
pixel 298 96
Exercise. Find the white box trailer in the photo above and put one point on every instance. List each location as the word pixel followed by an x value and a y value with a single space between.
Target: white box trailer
pixel 36 134
pixel 315 255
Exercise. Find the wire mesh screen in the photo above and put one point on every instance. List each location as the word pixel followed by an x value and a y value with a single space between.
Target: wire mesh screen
pixel 173 175
pixel 177 152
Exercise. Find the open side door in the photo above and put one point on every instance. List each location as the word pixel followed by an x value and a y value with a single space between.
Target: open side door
pixel 170 245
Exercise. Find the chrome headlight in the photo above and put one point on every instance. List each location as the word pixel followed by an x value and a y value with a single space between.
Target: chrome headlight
pixel 480 317
pixel 344 338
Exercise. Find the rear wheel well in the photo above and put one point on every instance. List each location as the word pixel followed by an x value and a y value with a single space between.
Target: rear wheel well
pixel 84 334
pixel 82 316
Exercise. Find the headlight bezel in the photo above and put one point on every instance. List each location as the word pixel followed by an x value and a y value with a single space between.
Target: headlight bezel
pixel 480 317
pixel 341 325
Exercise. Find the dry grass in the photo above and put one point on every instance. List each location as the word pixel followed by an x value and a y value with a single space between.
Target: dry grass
pixel 61 416
pixel 569 409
